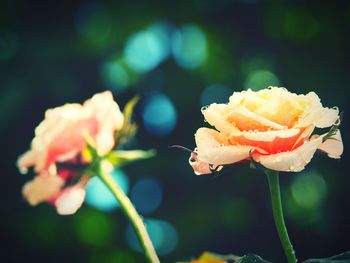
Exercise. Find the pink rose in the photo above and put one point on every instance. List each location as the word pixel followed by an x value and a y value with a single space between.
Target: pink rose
pixel 61 138
pixel 273 125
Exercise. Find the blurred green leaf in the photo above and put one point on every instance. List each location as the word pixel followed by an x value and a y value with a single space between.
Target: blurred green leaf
pixel 341 258
pixel 129 129
pixel 118 158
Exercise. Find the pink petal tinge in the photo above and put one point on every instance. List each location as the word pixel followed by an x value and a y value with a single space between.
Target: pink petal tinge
pixel 62 134
pixel 200 167
pixel 70 200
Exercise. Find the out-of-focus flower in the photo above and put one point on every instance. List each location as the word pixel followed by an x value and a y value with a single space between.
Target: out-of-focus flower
pixel 273 126
pixel 59 144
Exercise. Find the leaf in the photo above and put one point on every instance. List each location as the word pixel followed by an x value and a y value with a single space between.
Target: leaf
pixel 129 129
pixel 208 257
pixel 118 158
pixel 341 258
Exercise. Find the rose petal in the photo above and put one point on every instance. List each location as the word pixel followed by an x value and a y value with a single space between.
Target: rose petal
pixel 270 141
pixel 306 133
pixel 213 148
pixel 266 136
pixel 42 188
pixel 275 104
pixel 292 161
pixel 246 120
pixel 315 114
pixel 70 200
pixel 71 141
pixel 333 146
pixel 25 160
pixel 109 117
pixel 216 115
pixel 200 167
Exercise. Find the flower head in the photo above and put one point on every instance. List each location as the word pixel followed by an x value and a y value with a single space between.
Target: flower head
pixel 59 143
pixel 273 126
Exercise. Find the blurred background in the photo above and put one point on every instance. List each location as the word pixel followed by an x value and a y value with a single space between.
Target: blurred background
pixel 178 56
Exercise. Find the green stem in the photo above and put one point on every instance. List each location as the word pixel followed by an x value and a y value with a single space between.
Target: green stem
pixel 273 179
pixel 131 213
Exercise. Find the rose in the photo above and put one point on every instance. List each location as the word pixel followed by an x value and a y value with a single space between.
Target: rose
pixel 61 138
pixel 273 126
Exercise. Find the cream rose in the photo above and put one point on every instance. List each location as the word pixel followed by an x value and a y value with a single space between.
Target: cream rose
pixel 60 138
pixel 273 125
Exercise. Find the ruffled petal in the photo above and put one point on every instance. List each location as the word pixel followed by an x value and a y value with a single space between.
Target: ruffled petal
pixel 333 146
pixel 266 136
pixel 110 119
pixel 315 114
pixel 42 188
pixel 70 200
pixel 25 161
pixel 213 148
pixel 270 141
pixel 246 120
pixel 216 115
pixel 291 161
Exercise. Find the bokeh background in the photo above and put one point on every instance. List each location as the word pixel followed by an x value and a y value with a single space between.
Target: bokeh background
pixel 178 56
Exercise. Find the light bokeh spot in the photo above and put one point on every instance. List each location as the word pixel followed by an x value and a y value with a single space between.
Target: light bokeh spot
pixel 261 79
pixel 309 189
pixel 159 115
pixel 164 236
pixel 100 197
pixel 190 47
pixel 146 49
pixel 146 195
pixel 115 76
pixel 93 227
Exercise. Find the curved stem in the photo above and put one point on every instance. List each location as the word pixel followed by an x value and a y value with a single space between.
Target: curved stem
pixel 131 213
pixel 275 192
